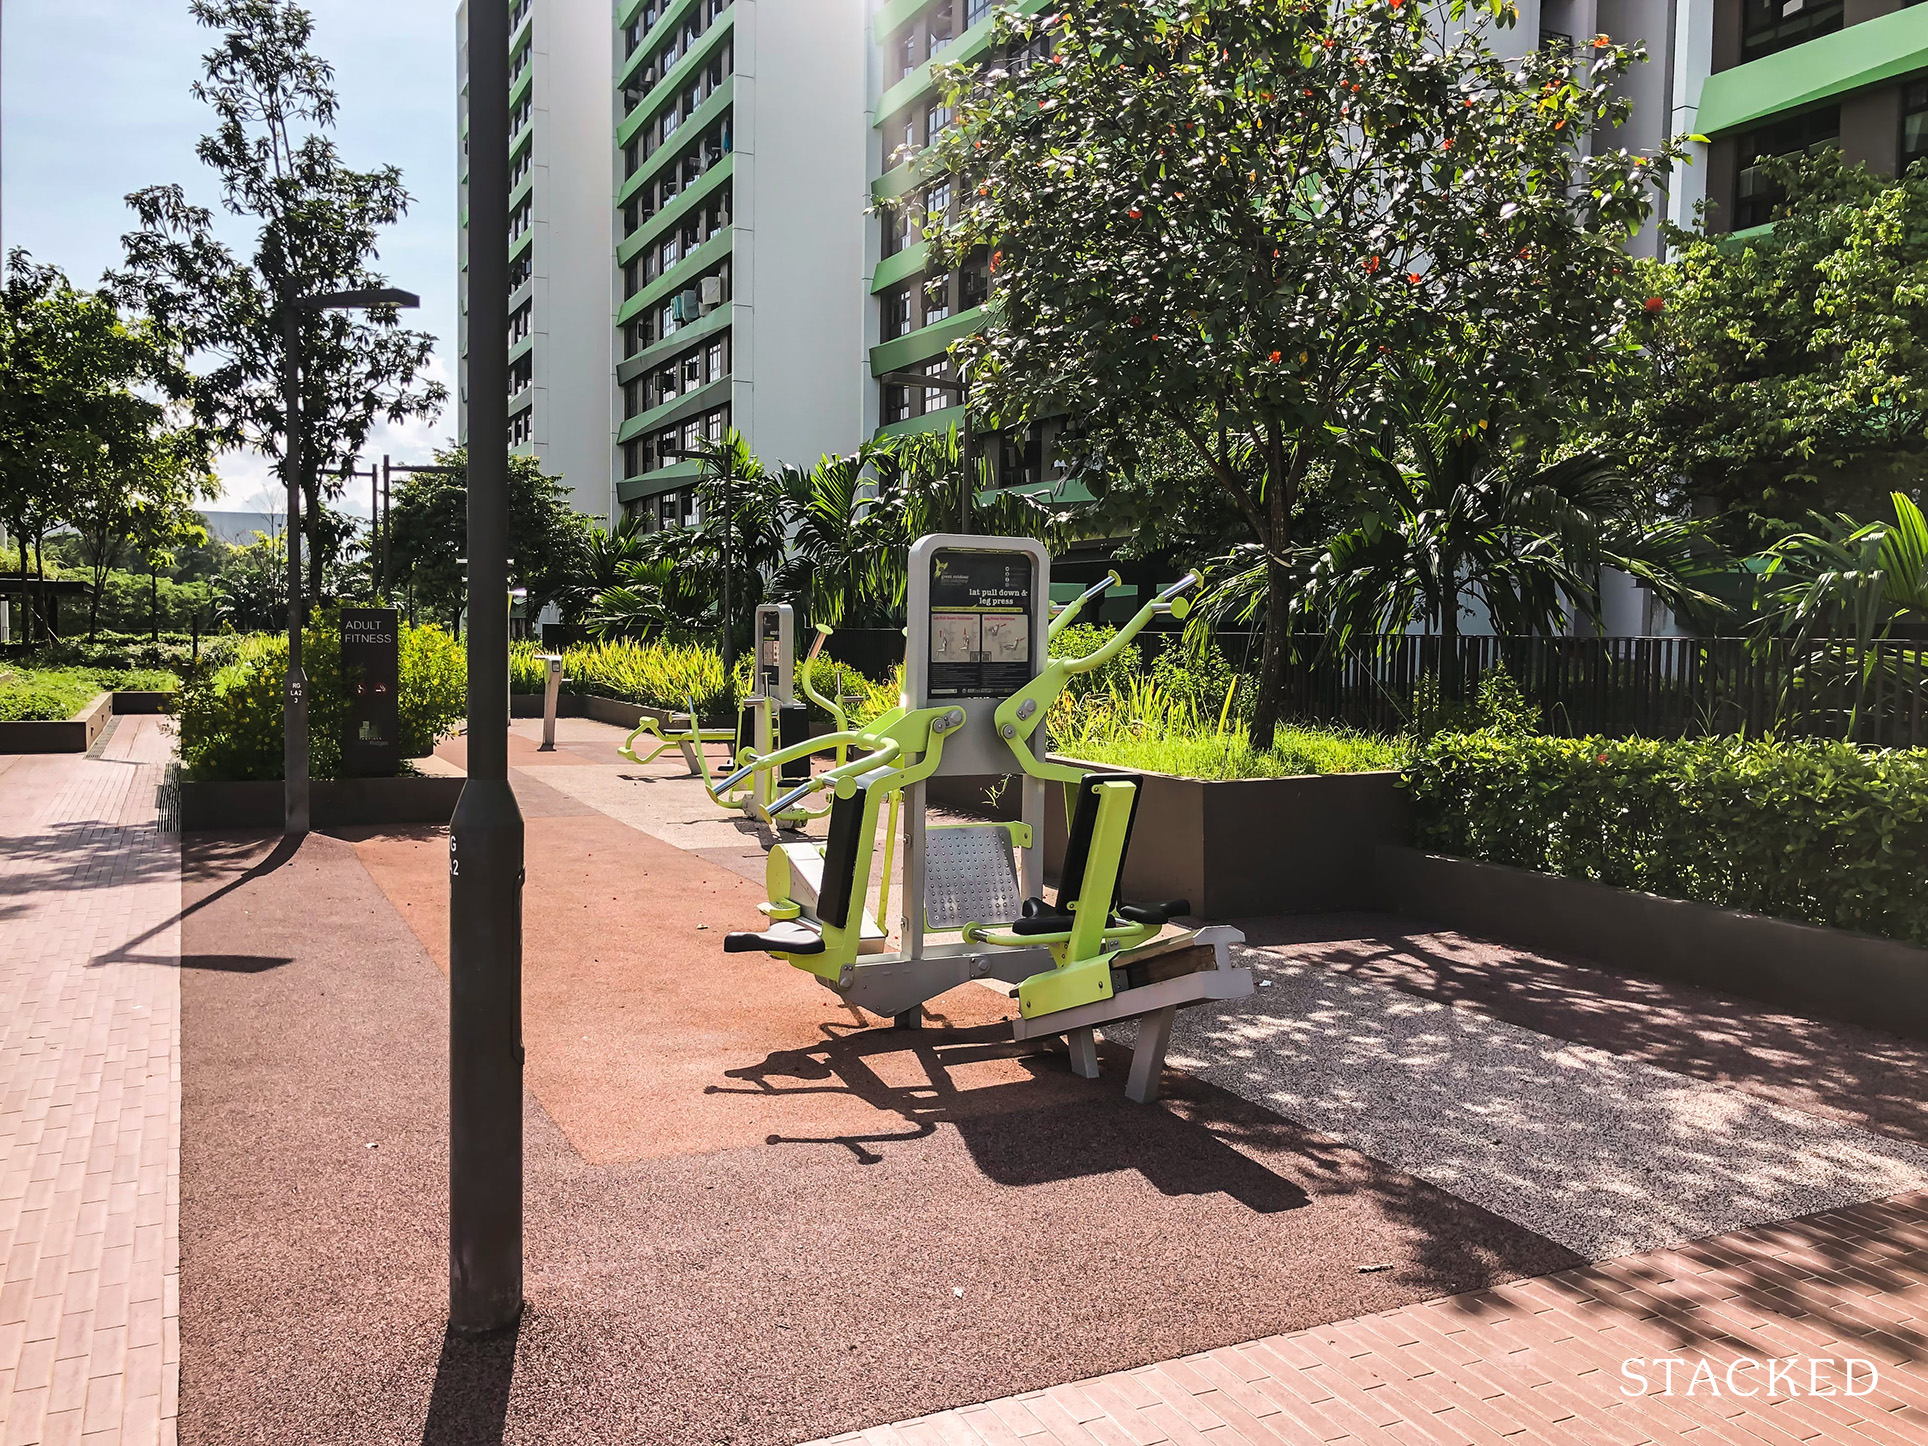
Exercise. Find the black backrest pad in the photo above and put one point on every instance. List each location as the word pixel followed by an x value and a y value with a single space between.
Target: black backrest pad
pixel 1084 818
pixel 840 859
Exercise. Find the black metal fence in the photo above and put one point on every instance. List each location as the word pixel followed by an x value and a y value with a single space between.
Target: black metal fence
pixel 1617 687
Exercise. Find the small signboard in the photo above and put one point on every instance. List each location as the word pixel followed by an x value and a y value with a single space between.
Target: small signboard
pixel 980 623
pixel 371 741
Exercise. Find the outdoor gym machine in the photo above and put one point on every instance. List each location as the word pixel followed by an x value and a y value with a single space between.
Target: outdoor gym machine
pixel 977 687
pixel 766 714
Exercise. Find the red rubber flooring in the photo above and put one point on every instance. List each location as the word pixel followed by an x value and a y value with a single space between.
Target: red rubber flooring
pixel 748 1220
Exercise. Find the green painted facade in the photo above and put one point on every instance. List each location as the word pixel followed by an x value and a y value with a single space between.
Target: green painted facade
pixel 1856 58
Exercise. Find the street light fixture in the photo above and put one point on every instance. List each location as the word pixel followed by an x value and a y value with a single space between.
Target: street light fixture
pixel 294 703
pixel 729 529
pixel 962 391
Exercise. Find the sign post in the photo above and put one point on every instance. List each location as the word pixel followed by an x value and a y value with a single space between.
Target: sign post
pixel 371 666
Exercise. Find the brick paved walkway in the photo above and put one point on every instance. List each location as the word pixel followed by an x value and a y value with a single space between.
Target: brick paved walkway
pixel 90 1095
pixel 1545 1360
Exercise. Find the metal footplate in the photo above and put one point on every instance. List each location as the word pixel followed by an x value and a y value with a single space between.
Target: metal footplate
pixel 1150 984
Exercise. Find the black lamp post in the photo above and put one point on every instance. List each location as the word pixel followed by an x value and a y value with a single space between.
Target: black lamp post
pixel 294 703
pixel 962 391
pixel 486 834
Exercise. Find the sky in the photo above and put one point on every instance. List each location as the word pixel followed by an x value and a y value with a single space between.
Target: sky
pixel 95 103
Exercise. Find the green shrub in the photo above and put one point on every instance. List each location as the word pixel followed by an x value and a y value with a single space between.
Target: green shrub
pixel 57 693
pixel 1821 832
pixel 1081 640
pixel 230 717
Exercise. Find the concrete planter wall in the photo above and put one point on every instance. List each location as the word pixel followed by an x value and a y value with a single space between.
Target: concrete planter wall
pixel 141 701
pixel 69 735
pixel 333 802
pixel 1861 978
pixel 603 710
pixel 1254 845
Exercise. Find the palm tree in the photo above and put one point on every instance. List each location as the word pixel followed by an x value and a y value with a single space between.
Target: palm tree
pixel 1837 592
pixel 602 556
pixel 1453 515
pixel 675 581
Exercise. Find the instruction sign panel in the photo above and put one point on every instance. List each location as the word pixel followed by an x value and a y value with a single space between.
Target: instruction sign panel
pixel 371 733
pixel 980 623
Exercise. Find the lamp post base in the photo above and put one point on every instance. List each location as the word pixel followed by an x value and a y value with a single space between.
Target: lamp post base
pixel 485 1059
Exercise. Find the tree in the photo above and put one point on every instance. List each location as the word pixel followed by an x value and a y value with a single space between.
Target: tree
pixel 86 435
pixel 430 517
pixel 251 591
pixel 1236 216
pixel 272 98
pixel 604 553
pixel 1789 370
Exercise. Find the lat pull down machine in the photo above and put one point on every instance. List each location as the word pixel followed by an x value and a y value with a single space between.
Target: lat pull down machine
pixel 977 687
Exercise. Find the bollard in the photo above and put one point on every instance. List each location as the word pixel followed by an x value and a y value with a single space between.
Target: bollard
pixel 551 690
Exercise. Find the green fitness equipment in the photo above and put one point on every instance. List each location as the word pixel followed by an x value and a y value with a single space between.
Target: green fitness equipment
pixel 980 622
pixel 679 730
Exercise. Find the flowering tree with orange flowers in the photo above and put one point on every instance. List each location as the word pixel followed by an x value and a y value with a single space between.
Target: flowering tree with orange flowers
pixel 1248 219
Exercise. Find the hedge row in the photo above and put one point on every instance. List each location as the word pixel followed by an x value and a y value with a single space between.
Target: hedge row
pixel 1821 832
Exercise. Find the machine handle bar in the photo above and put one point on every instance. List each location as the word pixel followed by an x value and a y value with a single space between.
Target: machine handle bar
pixel 855 767
pixel 1161 603
pixel 1071 609
pixel 788 755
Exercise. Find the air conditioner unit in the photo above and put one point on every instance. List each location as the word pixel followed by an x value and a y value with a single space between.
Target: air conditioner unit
pixel 691 303
pixel 712 292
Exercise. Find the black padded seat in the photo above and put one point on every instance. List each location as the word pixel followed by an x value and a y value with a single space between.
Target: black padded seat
pixel 787 937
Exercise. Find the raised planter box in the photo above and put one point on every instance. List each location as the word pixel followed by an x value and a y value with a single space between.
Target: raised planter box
pixel 130 700
pixel 1835 973
pixel 332 802
pixel 68 735
pixel 603 710
pixel 1249 846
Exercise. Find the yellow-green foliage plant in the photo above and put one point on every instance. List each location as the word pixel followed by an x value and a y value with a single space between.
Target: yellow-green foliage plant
pixel 1144 727
pixel 657 675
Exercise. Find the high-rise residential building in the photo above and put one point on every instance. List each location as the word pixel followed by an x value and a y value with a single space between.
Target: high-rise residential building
pixel 740 211
pixel 1765 78
pixel 916 311
pixel 560 352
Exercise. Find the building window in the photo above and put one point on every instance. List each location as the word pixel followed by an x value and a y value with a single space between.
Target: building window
pixel 973 282
pixel 896 319
pixel 1914 123
pixel 935 398
pixel 896 404
pixel 1771 25
pixel 977 11
pixel 1755 197
pixel 937 206
pixel 897 231
pixel 937 299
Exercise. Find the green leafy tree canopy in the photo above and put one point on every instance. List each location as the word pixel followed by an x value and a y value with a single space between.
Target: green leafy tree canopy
pixel 1789 369
pixel 320 221
pixel 1234 214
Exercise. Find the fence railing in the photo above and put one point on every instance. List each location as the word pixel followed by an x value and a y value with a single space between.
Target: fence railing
pixel 1650 687
pixel 1616 687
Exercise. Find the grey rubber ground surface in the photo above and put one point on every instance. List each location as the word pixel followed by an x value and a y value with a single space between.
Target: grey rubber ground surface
pixel 1606 1155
